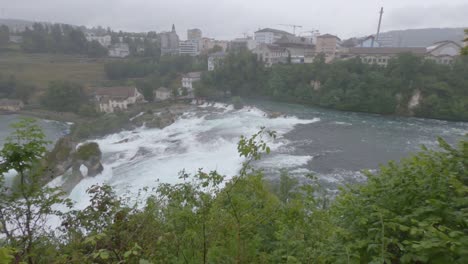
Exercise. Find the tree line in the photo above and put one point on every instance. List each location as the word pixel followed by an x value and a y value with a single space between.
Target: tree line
pixel 408 212
pixel 11 87
pixel 59 38
pixel 68 39
pixel 349 85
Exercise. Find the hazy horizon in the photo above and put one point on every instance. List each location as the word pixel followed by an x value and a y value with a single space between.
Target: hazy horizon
pixel 228 20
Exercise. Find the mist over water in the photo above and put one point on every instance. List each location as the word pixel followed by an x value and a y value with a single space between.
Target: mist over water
pixel 335 146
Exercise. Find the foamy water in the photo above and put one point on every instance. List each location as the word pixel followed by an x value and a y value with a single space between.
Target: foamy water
pixel 205 139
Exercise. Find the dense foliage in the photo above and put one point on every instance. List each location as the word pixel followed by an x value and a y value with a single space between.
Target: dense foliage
pixel 59 38
pixel 465 49
pixel 10 87
pixel 350 85
pixel 4 35
pixel 412 212
pixel 63 96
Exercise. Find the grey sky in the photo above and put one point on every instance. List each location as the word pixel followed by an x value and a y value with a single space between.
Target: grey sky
pixel 227 19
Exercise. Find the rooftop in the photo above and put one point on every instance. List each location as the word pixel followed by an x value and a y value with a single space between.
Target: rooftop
pixel 358 50
pixel 193 75
pixel 328 36
pixel 121 92
pixel 440 44
pixel 277 31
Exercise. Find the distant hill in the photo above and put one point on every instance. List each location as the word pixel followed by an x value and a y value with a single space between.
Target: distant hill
pixel 421 37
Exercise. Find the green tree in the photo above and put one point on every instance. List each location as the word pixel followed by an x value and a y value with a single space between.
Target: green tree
pixel 464 50
pixel 64 96
pixel 146 89
pixel 96 50
pixel 26 206
pixel 407 213
pixel 4 35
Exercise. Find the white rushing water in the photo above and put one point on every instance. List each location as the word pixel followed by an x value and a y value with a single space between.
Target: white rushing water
pixel 203 139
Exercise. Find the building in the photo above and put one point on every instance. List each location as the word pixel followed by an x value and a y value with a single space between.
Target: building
pixel 189 47
pixel 271 54
pixel 16 39
pixel 119 50
pixel 188 80
pixel 269 35
pixel 443 52
pixel 208 44
pixel 162 93
pixel 369 42
pixel 169 42
pixel 111 99
pixel 381 56
pixel 328 45
pixel 194 34
pixel 105 41
pixel 299 49
pixel 214 59
pixel 247 43
pixel 11 105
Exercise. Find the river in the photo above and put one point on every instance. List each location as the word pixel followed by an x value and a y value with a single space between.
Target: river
pixel 335 146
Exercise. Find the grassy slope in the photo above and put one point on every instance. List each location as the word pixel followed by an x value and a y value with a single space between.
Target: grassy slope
pixel 40 69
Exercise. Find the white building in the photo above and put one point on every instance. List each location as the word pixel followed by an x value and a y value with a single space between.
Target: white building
pixel 188 80
pixel 214 59
pixel 299 49
pixel 111 99
pixel 162 93
pixel 443 52
pixel 269 35
pixel 105 41
pixel 381 56
pixel 119 50
pixel 189 47
pixel 16 39
pixel 271 54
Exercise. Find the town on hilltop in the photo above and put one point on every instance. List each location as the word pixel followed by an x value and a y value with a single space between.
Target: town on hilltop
pixel 270 46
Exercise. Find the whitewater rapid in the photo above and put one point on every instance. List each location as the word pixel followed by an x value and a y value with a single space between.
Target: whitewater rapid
pixel 205 138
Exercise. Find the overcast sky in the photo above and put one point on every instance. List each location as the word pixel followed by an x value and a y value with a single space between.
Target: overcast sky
pixel 227 19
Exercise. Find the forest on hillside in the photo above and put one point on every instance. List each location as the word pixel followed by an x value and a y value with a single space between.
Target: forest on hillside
pixel 349 85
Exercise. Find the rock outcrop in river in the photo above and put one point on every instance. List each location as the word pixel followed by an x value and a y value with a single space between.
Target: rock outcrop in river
pixel 67 159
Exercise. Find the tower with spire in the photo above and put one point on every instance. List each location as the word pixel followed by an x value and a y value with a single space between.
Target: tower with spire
pixel 170 42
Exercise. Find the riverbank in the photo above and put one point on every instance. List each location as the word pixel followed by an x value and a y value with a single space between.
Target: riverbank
pixel 152 115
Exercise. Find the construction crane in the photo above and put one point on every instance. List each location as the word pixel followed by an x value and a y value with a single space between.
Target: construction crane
pixel 293 26
pixel 378 27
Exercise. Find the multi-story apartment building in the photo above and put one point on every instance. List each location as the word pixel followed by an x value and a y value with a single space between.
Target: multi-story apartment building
pixel 328 45
pixel 189 47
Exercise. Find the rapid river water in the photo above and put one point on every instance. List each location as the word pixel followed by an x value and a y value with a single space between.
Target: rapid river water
pixel 335 146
